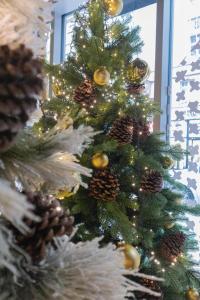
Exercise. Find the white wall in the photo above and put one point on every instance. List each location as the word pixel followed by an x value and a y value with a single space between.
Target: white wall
pixel 61 8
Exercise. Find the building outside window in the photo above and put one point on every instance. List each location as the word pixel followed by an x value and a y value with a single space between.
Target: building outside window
pixel 185 100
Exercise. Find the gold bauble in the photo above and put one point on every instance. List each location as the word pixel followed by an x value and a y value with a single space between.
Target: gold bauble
pixel 100 160
pixel 192 294
pixel 137 71
pixel 64 194
pixel 167 162
pixel 114 7
pixel 132 257
pixel 169 224
pixel 56 90
pixel 102 76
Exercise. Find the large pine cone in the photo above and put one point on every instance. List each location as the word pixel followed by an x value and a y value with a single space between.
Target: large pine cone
pixel 54 222
pixel 152 182
pixel 171 245
pixel 140 131
pixel 85 94
pixel 104 186
pixel 152 285
pixel 122 130
pixel 20 85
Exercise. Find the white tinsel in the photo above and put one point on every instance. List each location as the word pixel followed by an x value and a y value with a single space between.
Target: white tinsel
pixel 55 165
pixel 61 170
pixel 14 206
pixel 25 21
pixel 72 140
pixel 81 271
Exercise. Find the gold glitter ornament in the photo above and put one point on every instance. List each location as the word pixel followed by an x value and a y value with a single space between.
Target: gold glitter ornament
pixel 192 294
pixel 137 71
pixel 113 7
pixel 102 76
pixel 100 160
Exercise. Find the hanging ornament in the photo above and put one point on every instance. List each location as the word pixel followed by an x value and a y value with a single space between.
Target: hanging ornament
pixel 169 224
pixel 100 160
pixel 192 294
pixel 85 94
pixel 104 186
pixel 57 90
pixel 167 162
pixel 64 194
pixel 122 130
pixel 132 257
pixel 152 182
pixel 171 245
pixel 113 7
pixel 102 76
pixel 169 221
pixel 137 71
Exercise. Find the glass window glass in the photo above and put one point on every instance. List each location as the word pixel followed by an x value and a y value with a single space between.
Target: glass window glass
pixel 185 101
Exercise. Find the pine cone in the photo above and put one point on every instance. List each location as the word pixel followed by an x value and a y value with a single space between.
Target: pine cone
pixel 135 88
pixel 149 284
pixel 85 94
pixel 152 182
pixel 20 84
pixel 54 222
pixel 104 186
pixel 122 130
pixel 140 131
pixel 171 245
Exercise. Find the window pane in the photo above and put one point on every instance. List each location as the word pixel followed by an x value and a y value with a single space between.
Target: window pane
pixel 148 36
pixel 68 25
pixel 185 102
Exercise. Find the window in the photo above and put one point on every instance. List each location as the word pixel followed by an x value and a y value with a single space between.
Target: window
pixel 185 104
pixel 67 28
pixel 193 39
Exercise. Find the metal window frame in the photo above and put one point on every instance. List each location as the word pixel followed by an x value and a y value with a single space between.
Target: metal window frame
pixel 163 66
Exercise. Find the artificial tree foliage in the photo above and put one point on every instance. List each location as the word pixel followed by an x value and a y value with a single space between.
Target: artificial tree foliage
pixel 136 216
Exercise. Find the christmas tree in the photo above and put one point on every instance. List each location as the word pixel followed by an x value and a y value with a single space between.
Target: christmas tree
pixel 131 200
pixel 39 166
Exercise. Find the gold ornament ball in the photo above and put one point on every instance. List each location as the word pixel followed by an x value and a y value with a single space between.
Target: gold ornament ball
pixel 192 294
pixel 169 225
pixel 114 7
pixel 56 90
pixel 137 71
pixel 132 257
pixel 102 76
pixel 64 194
pixel 167 162
pixel 100 160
